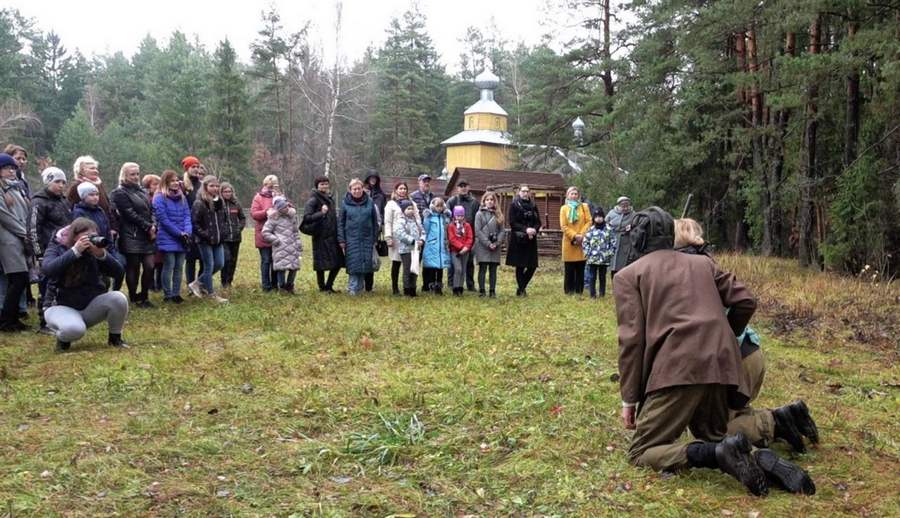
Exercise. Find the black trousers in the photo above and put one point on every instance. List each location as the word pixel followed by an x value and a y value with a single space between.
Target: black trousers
pixel 326 285
pixel 432 278
pixel 484 269
pixel 15 287
pixel 232 249
pixel 598 277
pixel 574 277
pixel 138 266
pixel 370 281
pixel 523 277
pixel 395 275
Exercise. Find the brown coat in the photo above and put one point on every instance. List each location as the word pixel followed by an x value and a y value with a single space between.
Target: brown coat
pixel 673 329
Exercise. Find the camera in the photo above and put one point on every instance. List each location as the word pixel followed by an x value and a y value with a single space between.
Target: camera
pixel 492 237
pixel 99 241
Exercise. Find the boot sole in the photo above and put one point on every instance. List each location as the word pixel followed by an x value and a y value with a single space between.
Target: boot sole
pixel 787 475
pixel 733 456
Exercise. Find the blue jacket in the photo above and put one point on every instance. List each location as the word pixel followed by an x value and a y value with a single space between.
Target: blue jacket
pixel 599 245
pixel 437 252
pixel 95 214
pixel 173 218
pixel 82 286
pixel 358 230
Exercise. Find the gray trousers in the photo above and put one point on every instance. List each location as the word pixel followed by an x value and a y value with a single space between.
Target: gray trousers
pixel 459 269
pixel 70 324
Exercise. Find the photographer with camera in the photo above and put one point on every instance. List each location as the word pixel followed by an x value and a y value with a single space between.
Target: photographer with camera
pixel 489 235
pixel 89 207
pixel 171 209
pixel 76 297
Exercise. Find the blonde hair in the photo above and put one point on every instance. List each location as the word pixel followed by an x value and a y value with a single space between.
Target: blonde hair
pixel 498 214
pixel 436 202
pixel 125 167
pixel 226 185
pixel 354 182
pixel 204 194
pixel 81 162
pixel 688 233
pixel 269 180
pixel 570 189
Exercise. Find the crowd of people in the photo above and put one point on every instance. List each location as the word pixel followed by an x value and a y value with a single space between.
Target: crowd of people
pixel 687 358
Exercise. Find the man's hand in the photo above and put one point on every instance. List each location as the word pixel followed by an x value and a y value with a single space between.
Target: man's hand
pixel 628 417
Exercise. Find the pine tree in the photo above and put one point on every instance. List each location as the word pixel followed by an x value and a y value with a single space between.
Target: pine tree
pixel 228 119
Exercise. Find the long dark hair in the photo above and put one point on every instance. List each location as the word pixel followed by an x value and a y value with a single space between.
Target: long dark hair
pixel 76 272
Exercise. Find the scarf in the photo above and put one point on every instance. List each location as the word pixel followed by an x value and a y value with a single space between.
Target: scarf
pixel 460 228
pixel 573 210
pixel 98 181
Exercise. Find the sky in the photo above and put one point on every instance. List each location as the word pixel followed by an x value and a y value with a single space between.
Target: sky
pixel 104 27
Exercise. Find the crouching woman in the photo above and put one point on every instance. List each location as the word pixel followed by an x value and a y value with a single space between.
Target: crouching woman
pixel 76 298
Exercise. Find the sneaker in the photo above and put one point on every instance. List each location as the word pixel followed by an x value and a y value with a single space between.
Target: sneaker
pixel 733 457
pixel 177 299
pixel 218 299
pixel 44 330
pixel 195 289
pixel 116 340
pixel 786 475
pixel 146 304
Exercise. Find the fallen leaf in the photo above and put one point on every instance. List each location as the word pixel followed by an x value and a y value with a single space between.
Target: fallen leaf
pixel 484 447
pixel 246 388
pixel 213 411
pixel 480 492
pixel 222 493
pixel 188 407
pixel 366 343
pixel 753 514
pixel 726 512
pixel 46 474
pixel 341 480
pixel 556 410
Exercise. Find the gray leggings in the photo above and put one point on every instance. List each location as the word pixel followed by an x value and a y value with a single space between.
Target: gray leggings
pixel 459 269
pixel 70 324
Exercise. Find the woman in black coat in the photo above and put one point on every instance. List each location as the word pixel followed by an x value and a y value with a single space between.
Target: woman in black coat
pixel 522 252
pixel 320 221
pixel 137 233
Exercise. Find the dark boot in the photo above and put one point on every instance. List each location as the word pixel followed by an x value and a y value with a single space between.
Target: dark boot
pixel 61 346
pixel 786 428
pixel 733 457
pixel 482 293
pixel 116 340
pixel 804 422
pixel 493 294
pixel 784 474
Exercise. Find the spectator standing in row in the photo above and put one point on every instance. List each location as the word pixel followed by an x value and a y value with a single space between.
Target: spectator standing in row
pixel 468 202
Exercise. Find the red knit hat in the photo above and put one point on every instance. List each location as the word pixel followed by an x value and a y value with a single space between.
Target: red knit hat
pixel 189 161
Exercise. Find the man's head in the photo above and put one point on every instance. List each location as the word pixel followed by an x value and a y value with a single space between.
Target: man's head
pixel 191 165
pixel 463 187
pixel 651 229
pixel 424 183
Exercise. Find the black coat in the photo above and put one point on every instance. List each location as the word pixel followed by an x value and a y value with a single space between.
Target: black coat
pixel 208 221
pixel 75 281
pixel 235 221
pixel 49 213
pixel 327 254
pixel 522 252
pixel 135 219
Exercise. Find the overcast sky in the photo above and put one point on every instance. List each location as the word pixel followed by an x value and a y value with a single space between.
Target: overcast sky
pixel 107 26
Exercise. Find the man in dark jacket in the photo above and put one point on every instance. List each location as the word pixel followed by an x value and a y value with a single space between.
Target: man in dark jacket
pixel 422 196
pixel 50 211
pixel 679 363
pixel 471 205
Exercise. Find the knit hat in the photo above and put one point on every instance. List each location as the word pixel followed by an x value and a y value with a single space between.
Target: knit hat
pixel 405 204
pixel 279 202
pixel 459 210
pixel 6 160
pixel 189 161
pixel 52 174
pixel 621 199
pixel 85 188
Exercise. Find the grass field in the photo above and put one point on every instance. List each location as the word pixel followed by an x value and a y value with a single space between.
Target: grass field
pixel 318 405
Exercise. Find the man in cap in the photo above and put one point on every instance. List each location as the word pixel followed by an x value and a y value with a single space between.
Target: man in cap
pixel 679 363
pixel 471 206
pixel 422 196
pixel 618 220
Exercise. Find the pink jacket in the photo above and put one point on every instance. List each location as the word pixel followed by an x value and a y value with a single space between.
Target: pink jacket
pixel 262 202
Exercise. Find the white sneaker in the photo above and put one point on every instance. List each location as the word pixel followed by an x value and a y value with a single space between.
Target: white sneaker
pixel 218 299
pixel 195 288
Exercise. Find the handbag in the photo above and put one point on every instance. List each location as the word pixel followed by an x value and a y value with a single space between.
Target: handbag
pixel 376 261
pixel 381 248
pixel 414 267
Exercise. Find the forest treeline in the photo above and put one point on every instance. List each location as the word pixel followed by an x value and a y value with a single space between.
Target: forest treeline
pixel 781 117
